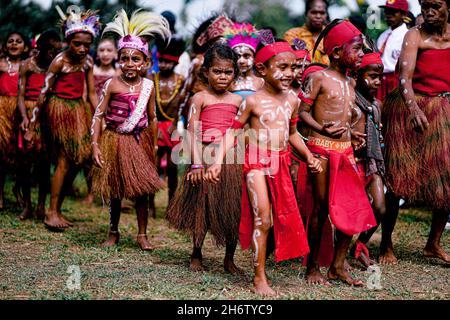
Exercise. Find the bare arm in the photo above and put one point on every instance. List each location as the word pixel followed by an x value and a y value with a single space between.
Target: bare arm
pixel 407 63
pixel 21 95
pixel 93 99
pixel 152 118
pixel 194 133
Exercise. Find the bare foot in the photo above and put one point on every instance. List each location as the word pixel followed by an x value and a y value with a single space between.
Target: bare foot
pixel 230 267
pixel 88 200
pixel 26 214
pixel 334 274
pixel 39 213
pixel 196 264
pixel 262 288
pixel 436 252
pixel 113 239
pixel 65 219
pixel 347 266
pixel 143 243
pixel 387 256
pixel 54 220
pixel 313 276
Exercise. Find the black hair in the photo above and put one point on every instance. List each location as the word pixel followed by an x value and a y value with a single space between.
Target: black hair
pixel 175 47
pixel 309 3
pixel 26 42
pixel 196 48
pixel 358 22
pixel 218 51
pixel 44 41
pixel 325 32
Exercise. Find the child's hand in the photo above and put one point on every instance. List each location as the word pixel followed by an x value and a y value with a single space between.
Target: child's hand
pixel 358 139
pixel 97 155
pixel 213 172
pixel 196 176
pixel 314 164
pixel 24 124
pixel 328 130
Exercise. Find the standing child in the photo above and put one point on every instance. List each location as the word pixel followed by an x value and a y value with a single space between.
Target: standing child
pixel 268 196
pixel 127 104
pixel 199 206
pixel 368 152
pixel 15 49
pixel 243 39
pixel 33 155
pixel 67 113
pixel 338 190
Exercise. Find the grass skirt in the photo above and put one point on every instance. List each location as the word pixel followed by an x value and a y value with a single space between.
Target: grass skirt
pixel 213 207
pixel 148 143
pixel 69 121
pixel 127 170
pixel 418 165
pixel 8 139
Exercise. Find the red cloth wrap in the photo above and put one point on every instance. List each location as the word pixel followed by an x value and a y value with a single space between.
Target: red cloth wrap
pixel 294 121
pixel 237 125
pixel 168 57
pixel 216 119
pixel 304 99
pixel 371 58
pixel 121 105
pixel 272 50
pixel 389 82
pixel 290 236
pixel 349 207
pixel 164 139
pixel 432 73
pixel 69 85
pixel 340 35
pixel 34 85
pixel 309 70
pixel 9 84
pixel 301 54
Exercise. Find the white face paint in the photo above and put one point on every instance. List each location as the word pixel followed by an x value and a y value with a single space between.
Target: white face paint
pixel 245 58
pixel 277 75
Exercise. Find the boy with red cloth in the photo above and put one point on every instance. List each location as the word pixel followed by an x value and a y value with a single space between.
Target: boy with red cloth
pixel 268 197
pixel 338 190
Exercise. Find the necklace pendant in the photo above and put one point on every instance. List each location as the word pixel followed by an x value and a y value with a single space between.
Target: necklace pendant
pixel 131 88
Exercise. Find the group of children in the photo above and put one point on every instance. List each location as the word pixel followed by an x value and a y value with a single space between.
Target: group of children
pixel 275 142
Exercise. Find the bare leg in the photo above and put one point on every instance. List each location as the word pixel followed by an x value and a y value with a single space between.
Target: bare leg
pixel 54 218
pixel 23 181
pixel 432 248
pixel 90 196
pixel 196 261
pixel 387 227
pixel 228 261
pixel 44 187
pixel 142 220
pixel 316 222
pixel 337 270
pixel 260 203
pixel 114 218
pixel 172 175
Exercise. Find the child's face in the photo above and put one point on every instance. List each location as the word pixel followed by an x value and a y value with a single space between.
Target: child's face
pixel 370 78
pixel 166 66
pixel 280 72
pixel 245 58
pixel 132 62
pixel 15 46
pixel 79 45
pixel 300 66
pixel 220 75
pixel 106 52
pixel 352 53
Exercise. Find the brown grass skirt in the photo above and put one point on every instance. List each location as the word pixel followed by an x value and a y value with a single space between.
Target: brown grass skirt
pixel 8 139
pixel 69 121
pixel 148 143
pixel 418 165
pixel 213 207
pixel 38 144
pixel 127 170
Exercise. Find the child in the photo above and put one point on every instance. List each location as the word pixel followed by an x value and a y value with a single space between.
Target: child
pixel 199 206
pixel 338 190
pixel 128 105
pixel 368 152
pixel 68 115
pixel 32 74
pixel 16 49
pixel 104 67
pixel 243 39
pixel 303 60
pixel 168 86
pixel 271 113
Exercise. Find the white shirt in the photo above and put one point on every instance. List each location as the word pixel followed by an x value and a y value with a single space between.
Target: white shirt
pixel 393 46
pixel 183 65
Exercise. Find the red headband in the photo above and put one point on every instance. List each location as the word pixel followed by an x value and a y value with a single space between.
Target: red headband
pixel 371 58
pixel 340 35
pixel 301 54
pixel 272 50
pixel 310 70
pixel 168 57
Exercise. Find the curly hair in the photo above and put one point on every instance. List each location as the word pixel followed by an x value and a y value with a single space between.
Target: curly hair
pixel 218 51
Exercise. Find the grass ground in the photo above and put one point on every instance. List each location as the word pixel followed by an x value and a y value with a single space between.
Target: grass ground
pixel 34 262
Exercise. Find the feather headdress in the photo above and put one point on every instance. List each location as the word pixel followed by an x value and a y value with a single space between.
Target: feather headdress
pixel 242 34
pixel 133 31
pixel 77 21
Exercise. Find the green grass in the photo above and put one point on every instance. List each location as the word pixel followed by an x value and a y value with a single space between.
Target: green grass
pixel 34 262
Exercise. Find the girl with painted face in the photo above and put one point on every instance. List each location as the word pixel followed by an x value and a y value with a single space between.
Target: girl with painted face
pixel 15 50
pixel 199 206
pixel 122 155
pixel 243 39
